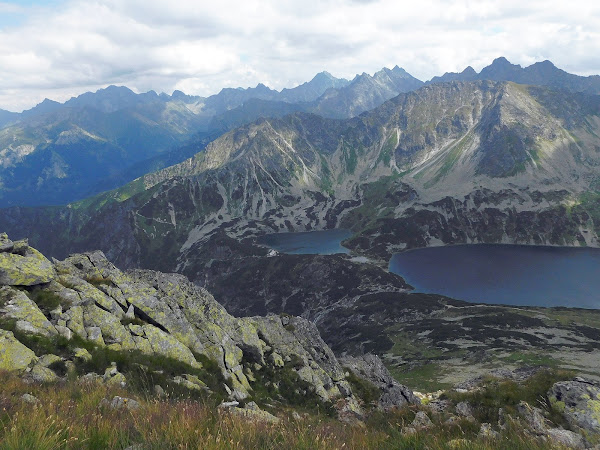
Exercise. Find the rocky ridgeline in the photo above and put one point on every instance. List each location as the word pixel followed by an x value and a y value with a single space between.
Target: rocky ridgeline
pixel 85 297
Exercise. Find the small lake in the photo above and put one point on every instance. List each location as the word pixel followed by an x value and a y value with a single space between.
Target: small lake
pixel 326 242
pixel 507 274
pixel 489 273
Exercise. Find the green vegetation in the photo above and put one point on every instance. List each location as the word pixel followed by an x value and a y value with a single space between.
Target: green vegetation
pixel 68 417
pixel 422 377
pixel 365 390
pixel 283 386
pixel 507 394
pixel 388 149
pixel 46 300
pixel 531 359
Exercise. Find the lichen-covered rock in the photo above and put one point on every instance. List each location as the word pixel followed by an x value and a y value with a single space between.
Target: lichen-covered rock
pixel 26 269
pixel 566 438
pixel 534 418
pixel 18 306
pixel 30 399
pixel 6 245
pixel 113 377
pixel 314 361
pixel 175 318
pixel 166 345
pixel 110 325
pixel 421 421
pixel 120 403
pixel 41 374
pixel 13 354
pixel 49 359
pixel 64 332
pixel 464 409
pixel 74 321
pixel 487 432
pixel 371 368
pixel 254 415
pixel 82 353
pixel 579 401
pixel 190 382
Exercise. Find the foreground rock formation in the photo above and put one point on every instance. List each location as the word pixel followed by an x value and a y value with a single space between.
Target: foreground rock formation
pixel 86 298
pixel 162 335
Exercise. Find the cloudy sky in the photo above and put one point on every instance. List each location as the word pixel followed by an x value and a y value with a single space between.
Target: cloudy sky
pixel 61 48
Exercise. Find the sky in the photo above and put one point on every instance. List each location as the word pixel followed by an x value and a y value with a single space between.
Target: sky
pixel 61 48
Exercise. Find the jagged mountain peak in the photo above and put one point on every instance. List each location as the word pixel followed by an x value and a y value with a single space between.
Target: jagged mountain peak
pixel 501 61
pixel 543 73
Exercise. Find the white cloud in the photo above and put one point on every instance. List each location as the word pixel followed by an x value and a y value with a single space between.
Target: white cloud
pixel 200 47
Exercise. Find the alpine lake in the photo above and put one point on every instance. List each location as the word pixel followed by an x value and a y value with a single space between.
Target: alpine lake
pixel 520 275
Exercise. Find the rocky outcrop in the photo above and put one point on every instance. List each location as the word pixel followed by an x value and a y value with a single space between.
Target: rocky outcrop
pixel 370 368
pixel 538 425
pixel 164 314
pixel 21 265
pixel 579 402
pixel 13 354
pixel 18 306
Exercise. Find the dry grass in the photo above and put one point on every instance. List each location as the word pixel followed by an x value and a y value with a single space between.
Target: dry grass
pixel 68 416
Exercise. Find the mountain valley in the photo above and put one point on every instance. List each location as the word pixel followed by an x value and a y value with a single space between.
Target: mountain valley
pixel 507 156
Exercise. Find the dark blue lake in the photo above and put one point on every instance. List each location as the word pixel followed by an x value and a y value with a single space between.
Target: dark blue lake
pixel 324 242
pixel 508 274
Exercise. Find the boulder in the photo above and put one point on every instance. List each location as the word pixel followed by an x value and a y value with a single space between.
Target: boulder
pixel 166 345
pixel 30 319
pixel 49 359
pixel 41 374
pixel 533 417
pixel 371 368
pixel 487 432
pixel 254 415
pixel 464 409
pixel 110 325
pixel 120 403
pixel 29 269
pixel 579 402
pixel 13 354
pixel 82 353
pixel 6 245
pixel 421 421
pixel 30 399
pixel 113 377
pixel 566 438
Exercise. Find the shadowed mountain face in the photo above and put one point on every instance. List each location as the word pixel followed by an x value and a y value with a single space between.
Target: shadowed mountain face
pixel 61 156
pixel 365 92
pixel 539 74
pixel 458 162
pixel 56 153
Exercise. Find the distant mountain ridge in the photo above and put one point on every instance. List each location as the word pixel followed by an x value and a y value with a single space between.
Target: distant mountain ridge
pixel 57 153
pixel 543 73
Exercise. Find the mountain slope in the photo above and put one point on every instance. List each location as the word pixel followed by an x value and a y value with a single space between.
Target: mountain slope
pixel 458 162
pixel 365 92
pixel 55 153
pixel 59 157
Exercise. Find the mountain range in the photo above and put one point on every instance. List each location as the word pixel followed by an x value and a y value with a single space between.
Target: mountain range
pixel 99 141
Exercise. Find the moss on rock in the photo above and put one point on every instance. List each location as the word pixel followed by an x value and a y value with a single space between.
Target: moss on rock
pixel 28 270
pixel 13 354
